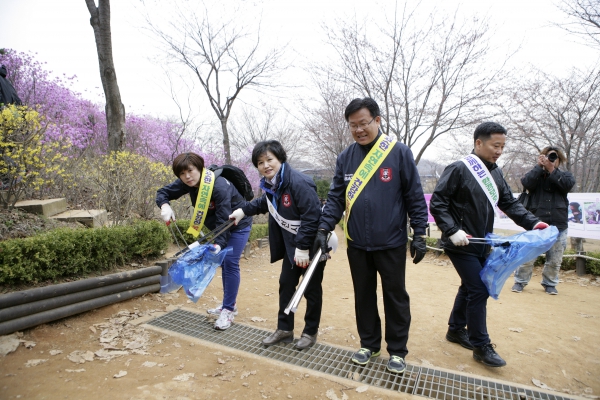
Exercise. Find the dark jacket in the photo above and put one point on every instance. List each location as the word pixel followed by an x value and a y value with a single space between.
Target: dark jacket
pixel 225 198
pixel 294 198
pixel 8 94
pixel 548 195
pixel 378 218
pixel 458 202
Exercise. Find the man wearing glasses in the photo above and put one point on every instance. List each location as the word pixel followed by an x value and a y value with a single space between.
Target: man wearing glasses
pixel 548 186
pixel 376 185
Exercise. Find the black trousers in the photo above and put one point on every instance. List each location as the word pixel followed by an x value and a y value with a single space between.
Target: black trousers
pixel 391 266
pixel 470 304
pixel 288 280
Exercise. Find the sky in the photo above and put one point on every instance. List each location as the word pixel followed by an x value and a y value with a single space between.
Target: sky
pixel 59 33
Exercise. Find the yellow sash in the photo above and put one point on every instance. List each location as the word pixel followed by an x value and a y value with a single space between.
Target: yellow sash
pixel 207 182
pixel 365 171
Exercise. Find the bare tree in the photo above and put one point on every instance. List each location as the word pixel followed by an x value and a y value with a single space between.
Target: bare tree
pixel 548 110
pixel 429 78
pixel 327 130
pixel 265 123
pixel 225 57
pixel 583 19
pixel 115 111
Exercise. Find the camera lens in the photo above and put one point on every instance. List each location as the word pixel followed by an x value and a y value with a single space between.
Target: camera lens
pixel 552 157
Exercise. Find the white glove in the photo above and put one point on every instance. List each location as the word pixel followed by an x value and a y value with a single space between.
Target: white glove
pixel 216 248
pixel 237 215
pixel 167 214
pixel 459 238
pixel 301 258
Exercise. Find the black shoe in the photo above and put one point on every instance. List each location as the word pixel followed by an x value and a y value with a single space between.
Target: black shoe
pixel 279 336
pixel 306 341
pixel 461 337
pixel 364 355
pixel 488 356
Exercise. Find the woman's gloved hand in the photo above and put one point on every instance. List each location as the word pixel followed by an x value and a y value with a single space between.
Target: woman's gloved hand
pixel 167 214
pixel 301 258
pixel 237 215
pixel 459 238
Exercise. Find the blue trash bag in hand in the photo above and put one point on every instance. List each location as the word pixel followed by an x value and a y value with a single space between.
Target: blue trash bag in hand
pixel 508 252
pixel 195 269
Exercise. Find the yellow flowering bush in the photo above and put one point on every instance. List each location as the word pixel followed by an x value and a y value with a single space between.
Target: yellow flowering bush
pixel 27 162
pixel 124 184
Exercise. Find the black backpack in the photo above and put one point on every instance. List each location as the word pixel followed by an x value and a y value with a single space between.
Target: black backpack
pixel 236 176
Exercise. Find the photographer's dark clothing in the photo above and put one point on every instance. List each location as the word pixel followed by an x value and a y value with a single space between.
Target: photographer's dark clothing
pixel 8 94
pixel 224 199
pixel 548 195
pixel 458 202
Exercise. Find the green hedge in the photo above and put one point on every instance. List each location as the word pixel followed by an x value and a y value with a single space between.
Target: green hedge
pixel 568 263
pixel 67 252
pixel 258 231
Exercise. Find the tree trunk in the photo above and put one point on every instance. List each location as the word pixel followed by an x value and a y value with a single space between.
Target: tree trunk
pixel 115 111
pixel 226 146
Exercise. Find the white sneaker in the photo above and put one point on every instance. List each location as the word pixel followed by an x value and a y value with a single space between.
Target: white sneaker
pixel 217 310
pixel 225 319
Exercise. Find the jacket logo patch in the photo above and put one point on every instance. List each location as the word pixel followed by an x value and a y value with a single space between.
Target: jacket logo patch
pixel 286 199
pixel 211 205
pixel 385 174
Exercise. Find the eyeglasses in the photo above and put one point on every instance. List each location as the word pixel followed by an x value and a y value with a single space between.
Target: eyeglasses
pixel 362 126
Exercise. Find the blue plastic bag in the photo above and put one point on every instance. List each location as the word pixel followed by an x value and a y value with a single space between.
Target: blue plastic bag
pixel 511 251
pixel 195 269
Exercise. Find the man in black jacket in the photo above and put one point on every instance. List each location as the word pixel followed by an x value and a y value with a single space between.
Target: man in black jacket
pixel 548 186
pixel 376 184
pixel 463 205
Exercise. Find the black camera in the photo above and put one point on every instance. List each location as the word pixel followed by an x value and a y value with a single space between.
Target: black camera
pixel 552 157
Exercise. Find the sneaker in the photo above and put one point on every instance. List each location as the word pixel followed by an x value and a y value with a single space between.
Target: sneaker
pixel 225 319
pixel 550 289
pixel 306 341
pixel 217 310
pixel 461 337
pixel 363 356
pixel 488 356
pixel 517 287
pixel 396 364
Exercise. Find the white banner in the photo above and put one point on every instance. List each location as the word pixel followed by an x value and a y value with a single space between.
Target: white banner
pixel 584 216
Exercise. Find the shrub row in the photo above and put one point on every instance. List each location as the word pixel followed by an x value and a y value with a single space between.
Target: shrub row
pixel 66 252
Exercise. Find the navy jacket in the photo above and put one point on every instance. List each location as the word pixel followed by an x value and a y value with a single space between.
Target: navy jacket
pixel 295 198
pixel 378 218
pixel 548 195
pixel 225 198
pixel 458 202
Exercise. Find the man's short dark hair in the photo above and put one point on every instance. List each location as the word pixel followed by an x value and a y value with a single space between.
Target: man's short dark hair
pixel 183 161
pixel 486 129
pixel 272 146
pixel 357 104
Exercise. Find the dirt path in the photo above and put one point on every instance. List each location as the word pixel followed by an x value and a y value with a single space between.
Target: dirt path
pixel 550 339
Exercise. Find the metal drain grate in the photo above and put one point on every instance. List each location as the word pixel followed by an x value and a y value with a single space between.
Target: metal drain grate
pixel 422 381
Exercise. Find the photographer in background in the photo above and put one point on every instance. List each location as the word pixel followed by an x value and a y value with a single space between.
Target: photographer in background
pixel 548 186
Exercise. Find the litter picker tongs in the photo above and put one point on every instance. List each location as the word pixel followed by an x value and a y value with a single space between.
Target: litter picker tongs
pixel 205 239
pixel 293 304
pixel 495 242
